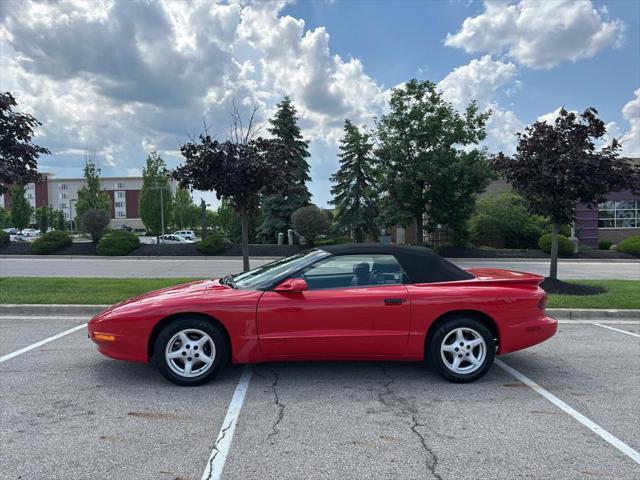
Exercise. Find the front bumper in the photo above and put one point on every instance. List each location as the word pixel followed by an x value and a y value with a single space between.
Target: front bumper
pixel 115 340
pixel 526 334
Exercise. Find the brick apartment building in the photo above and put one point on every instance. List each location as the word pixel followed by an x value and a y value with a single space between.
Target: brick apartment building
pixel 62 194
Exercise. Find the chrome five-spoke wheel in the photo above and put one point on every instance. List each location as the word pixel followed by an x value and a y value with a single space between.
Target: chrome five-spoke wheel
pixel 190 353
pixel 463 350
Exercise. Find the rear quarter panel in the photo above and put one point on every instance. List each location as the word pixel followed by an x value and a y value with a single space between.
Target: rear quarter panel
pixel 510 308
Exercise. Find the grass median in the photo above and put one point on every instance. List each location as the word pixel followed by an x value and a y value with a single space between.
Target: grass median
pixel 623 294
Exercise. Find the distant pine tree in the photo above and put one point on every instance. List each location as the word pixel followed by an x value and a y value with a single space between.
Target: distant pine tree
pixel 277 209
pixel 354 191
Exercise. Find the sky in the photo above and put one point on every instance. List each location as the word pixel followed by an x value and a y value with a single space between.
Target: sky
pixel 121 78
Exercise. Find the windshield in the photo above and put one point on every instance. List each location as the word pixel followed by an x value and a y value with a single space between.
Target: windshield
pixel 265 275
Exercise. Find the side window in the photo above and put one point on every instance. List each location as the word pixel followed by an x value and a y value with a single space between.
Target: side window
pixel 354 271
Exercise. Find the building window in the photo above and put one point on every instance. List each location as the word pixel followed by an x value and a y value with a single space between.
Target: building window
pixel 63 196
pixel 119 204
pixel 119 194
pixel 120 185
pixel 121 214
pixel 625 214
pixel 64 186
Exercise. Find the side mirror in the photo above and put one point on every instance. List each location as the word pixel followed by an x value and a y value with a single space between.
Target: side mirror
pixel 292 285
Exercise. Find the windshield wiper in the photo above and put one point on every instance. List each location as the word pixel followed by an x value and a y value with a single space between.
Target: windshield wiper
pixel 228 280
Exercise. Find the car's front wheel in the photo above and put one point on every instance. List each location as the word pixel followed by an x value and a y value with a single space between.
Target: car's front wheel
pixel 461 349
pixel 190 352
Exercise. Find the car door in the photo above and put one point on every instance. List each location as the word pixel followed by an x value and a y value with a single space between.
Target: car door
pixel 349 309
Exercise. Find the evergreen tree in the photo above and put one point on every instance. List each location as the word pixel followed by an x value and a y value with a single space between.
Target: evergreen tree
pixel 44 218
pixel 155 192
pixel 354 192
pixel 278 208
pixel 5 216
pixel 21 209
pixel 91 196
pixel 59 220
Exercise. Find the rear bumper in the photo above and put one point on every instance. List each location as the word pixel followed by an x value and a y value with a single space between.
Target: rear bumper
pixel 526 334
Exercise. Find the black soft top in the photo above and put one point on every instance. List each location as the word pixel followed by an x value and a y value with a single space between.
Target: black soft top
pixel 421 264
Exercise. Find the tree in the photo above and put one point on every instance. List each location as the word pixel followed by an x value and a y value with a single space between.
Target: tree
pixel 503 220
pixel 21 209
pixel 156 200
pixel 310 222
pixel 95 222
pixel 277 208
pixel 355 195
pixel 183 210
pixel 5 216
pixel 18 156
pixel 44 218
pixel 242 173
pixel 429 170
pixel 91 196
pixel 59 221
pixel 557 166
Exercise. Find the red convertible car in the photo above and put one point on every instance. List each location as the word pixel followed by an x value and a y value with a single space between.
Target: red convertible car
pixel 343 302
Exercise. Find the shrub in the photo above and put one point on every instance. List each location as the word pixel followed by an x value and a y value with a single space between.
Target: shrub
pixel 4 238
pixel 212 244
pixel 630 246
pixel 565 247
pixel 50 242
pixel 309 222
pixel 118 243
pixel 503 220
pixel 95 222
pixel 332 241
pixel 604 244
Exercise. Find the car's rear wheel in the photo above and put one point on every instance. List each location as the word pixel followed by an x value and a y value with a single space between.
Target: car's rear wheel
pixel 461 349
pixel 190 351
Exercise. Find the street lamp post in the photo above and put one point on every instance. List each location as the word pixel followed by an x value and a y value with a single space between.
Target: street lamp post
pixel 71 213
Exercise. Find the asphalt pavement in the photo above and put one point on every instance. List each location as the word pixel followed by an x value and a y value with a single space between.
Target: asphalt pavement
pixel 202 267
pixel 68 412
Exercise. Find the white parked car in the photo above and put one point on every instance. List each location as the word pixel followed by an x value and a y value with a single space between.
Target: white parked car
pixel 30 232
pixel 173 239
pixel 188 234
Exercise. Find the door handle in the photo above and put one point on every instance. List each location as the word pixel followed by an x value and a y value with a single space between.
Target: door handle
pixel 393 301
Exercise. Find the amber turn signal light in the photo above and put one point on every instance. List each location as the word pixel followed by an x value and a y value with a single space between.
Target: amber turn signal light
pixel 104 337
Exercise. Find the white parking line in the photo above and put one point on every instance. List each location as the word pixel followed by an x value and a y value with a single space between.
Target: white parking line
pixel 218 456
pixel 594 427
pixel 617 330
pixel 11 355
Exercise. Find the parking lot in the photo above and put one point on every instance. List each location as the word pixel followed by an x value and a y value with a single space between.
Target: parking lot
pixel 68 412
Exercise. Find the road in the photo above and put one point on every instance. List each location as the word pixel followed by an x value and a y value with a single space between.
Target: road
pixel 68 412
pixel 219 266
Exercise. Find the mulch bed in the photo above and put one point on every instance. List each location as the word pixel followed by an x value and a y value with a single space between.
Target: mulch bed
pixel 551 285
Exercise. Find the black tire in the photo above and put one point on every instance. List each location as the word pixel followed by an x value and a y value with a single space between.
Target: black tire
pixel 443 332
pixel 171 330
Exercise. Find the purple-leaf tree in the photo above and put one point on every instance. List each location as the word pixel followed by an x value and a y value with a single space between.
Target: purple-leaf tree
pixel 558 165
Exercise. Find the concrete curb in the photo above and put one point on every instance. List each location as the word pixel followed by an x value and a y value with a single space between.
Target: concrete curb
pixel 593 314
pixel 16 310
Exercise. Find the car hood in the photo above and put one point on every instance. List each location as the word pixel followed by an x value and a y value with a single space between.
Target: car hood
pixel 170 296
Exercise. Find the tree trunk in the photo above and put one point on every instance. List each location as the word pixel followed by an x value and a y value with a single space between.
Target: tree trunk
pixel 244 220
pixel 553 271
pixel 419 229
pixel 203 213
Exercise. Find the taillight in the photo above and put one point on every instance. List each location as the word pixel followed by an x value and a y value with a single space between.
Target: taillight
pixel 543 302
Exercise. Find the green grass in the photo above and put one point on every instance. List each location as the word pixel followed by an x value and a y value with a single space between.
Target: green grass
pixel 622 294
pixel 79 290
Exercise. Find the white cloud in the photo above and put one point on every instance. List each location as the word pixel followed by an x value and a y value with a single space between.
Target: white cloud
pixel 481 80
pixel 123 77
pixel 539 34
pixel 629 139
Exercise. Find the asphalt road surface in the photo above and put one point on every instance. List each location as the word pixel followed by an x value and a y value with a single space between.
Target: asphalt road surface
pixel 220 266
pixel 68 412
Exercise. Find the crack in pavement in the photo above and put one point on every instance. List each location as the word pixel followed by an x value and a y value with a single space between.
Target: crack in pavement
pixel 215 448
pixel 281 406
pixel 431 459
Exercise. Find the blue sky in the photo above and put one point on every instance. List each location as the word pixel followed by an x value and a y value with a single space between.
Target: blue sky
pixel 121 78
